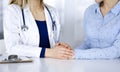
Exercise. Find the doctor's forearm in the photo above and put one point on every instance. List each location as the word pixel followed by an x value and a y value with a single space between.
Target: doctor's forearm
pixel 48 53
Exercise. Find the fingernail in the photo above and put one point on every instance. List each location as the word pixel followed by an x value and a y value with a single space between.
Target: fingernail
pixel 59 44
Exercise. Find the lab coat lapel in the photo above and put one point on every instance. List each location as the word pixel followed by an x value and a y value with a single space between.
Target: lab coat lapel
pixel 30 22
pixel 49 27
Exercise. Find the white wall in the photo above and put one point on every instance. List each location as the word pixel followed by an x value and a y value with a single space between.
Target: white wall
pixel 80 6
pixel 1 15
pixel 73 16
pixel 3 4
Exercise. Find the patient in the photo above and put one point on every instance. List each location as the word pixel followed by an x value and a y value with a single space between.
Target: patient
pixel 102 31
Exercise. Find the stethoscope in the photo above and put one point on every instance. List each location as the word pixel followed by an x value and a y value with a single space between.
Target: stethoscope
pixel 24 27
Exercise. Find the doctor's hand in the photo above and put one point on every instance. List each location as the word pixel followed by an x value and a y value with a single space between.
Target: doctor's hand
pixel 59 52
pixel 64 45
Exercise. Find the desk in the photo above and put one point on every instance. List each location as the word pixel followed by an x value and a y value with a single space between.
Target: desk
pixel 55 65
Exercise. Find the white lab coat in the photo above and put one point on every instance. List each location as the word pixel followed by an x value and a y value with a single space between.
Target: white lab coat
pixel 26 43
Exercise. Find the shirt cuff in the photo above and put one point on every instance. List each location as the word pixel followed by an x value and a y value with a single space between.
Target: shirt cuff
pixel 42 55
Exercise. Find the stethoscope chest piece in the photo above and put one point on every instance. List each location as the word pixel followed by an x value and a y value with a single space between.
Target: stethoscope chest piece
pixel 54 26
pixel 24 28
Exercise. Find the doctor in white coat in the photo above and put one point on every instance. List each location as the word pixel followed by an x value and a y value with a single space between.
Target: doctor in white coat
pixel 23 32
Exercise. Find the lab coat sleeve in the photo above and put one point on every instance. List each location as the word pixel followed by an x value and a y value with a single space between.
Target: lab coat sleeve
pixel 57 19
pixel 13 42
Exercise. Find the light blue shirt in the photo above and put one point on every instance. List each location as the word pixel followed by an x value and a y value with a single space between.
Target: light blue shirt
pixel 102 34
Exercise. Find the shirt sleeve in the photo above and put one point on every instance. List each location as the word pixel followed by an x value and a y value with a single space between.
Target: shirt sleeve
pixel 112 52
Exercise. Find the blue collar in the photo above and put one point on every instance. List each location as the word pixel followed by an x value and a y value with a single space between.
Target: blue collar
pixel 115 10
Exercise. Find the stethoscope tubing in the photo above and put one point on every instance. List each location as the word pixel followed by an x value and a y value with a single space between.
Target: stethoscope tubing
pixel 24 27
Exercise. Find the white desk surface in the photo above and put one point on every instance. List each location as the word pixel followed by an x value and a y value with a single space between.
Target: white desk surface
pixel 55 65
